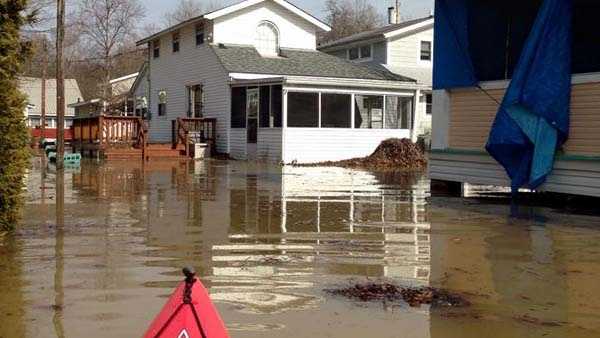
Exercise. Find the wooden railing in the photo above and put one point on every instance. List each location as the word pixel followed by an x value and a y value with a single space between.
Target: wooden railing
pixel 110 131
pixel 188 131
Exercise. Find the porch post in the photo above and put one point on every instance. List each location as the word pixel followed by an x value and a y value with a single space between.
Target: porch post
pixel 352 110
pixel 415 119
pixel 284 119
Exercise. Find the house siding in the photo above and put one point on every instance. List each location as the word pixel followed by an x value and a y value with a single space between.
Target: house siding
pixel 310 145
pixel 172 72
pixel 269 145
pixel 405 51
pixel 237 143
pixel 240 27
pixel 472 113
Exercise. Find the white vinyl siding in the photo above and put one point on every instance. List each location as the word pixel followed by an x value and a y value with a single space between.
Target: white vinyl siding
pixel 270 144
pixel 240 27
pixel 311 145
pixel 237 143
pixel 405 51
pixel 172 72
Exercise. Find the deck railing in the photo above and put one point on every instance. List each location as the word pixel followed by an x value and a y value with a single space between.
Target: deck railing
pixel 110 131
pixel 188 131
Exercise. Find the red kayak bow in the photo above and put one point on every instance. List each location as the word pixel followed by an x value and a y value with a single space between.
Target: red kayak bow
pixel 189 313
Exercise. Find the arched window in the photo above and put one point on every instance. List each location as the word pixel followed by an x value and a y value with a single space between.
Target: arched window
pixel 267 39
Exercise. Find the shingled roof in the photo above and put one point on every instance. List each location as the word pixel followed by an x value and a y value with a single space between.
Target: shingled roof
pixel 373 34
pixel 245 59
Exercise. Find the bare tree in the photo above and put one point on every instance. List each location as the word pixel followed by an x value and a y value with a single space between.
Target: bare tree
pixel 188 9
pixel 107 26
pixel 347 17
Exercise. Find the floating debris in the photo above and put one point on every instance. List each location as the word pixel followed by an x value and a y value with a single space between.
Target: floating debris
pixel 537 321
pixel 415 297
pixel 391 154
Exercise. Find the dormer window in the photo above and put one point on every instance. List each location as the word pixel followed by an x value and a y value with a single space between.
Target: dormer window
pixel 267 39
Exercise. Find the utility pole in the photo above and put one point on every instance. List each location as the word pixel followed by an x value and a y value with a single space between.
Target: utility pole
pixel 44 74
pixel 60 85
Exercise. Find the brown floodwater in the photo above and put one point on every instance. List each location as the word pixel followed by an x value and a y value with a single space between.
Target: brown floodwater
pixel 99 257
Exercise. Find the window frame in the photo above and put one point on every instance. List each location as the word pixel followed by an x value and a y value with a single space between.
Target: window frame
pixel 156 49
pixel 200 31
pixel 277 33
pixel 161 112
pixel 430 51
pixel 359 51
pixel 175 42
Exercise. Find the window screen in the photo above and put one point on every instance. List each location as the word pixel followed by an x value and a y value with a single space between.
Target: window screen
pixel 265 107
pixel 276 105
pixel 353 53
pixel 238 107
pixel 303 110
pixel 368 111
pixel 199 35
pixel 335 111
pixel 398 112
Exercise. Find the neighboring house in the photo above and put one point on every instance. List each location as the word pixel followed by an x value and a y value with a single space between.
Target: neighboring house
pixel 468 96
pixel 405 49
pixel 32 88
pixel 255 68
pixel 120 102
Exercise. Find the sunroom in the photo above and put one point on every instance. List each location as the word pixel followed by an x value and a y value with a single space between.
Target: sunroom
pixel 284 119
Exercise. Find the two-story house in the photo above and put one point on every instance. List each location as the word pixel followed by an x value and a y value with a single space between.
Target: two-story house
pixel 255 68
pixel 405 49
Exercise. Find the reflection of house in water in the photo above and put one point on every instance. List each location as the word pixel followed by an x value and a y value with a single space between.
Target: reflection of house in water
pixel 318 223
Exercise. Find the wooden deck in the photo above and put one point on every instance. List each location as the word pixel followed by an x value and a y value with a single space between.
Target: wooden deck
pixel 122 138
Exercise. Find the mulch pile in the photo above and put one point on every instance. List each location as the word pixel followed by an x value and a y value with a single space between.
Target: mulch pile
pixel 390 292
pixel 391 154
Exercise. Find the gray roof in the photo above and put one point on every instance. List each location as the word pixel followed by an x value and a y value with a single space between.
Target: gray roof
pixel 32 87
pixel 245 59
pixel 373 34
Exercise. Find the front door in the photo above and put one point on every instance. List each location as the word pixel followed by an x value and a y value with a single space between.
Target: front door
pixel 252 101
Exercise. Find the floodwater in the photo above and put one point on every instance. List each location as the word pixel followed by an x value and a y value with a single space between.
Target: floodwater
pixel 99 258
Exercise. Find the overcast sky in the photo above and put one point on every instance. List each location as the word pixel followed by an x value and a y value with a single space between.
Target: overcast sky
pixel 409 8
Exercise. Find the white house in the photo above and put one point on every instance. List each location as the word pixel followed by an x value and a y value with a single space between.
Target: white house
pixel 32 88
pixel 404 48
pixel 255 68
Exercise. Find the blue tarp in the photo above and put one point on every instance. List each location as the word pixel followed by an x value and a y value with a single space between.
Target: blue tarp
pixel 533 119
pixel 453 67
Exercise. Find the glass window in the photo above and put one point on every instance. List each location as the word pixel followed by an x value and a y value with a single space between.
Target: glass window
pixel 238 107
pixel 365 52
pixel 195 101
pixel 353 53
pixel 428 103
pixel 276 105
pixel 303 110
pixel 267 39
pixel 426 50
pixel 335 110
pixel 199 35
pixel 398 114
pixel 156 48
pixel 162 103
pixel 175 42
pixel 368 111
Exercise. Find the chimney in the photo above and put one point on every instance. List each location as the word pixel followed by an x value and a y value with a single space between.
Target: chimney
pixel 392 15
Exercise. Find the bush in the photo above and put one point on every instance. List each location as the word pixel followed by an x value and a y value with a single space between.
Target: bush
pixel 14 136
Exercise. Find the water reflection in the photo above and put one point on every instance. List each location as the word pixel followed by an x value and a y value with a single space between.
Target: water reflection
pixel 99 258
